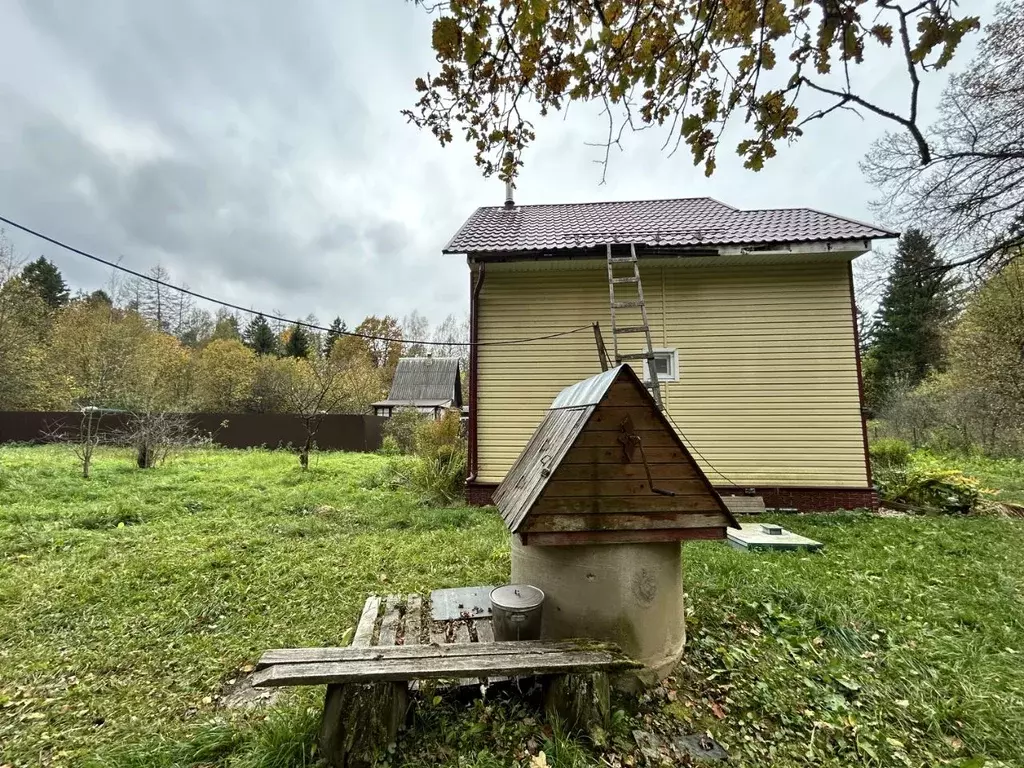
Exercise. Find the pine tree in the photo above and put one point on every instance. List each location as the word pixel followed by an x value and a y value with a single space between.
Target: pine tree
pixel 298 342
pixel 259 337
pixel 335 332
pixel 913 317
pixel 46 281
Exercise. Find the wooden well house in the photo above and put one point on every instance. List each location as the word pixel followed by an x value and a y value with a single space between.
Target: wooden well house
pixel 606 467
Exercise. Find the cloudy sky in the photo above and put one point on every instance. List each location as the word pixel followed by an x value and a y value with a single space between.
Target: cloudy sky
pixel 256 151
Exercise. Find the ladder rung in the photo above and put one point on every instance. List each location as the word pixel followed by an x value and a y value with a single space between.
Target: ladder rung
pixel 630 329
pixel 632 279
pixel 621 259
pixel 637 356
pixel 626 304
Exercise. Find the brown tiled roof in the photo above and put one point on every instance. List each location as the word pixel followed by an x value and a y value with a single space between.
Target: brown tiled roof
pixel 687 222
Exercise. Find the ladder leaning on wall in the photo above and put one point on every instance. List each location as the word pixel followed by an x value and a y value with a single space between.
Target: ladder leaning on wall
pixel 630 303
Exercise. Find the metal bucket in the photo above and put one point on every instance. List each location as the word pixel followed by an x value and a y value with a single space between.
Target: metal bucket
pixel 516 612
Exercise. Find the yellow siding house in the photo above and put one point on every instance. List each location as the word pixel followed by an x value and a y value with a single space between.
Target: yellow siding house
pixel 753 325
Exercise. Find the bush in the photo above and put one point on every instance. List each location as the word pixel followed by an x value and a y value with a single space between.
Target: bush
pixel 927 482
pixel 890 453
pixel 389 446
pixel 440 437
pixel 401 427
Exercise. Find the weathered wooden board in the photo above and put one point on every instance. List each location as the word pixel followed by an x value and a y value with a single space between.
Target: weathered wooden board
pixel 702 502
pixel 414 652
pixel 391 621
pixel 649 438
pixel 610 417
pixel 613 455
pixel 461 633
pixel 744 505
pixel 621 537
pixel 634 487
pixel 609 522
pixel 367 621
pixel 484 631
pixel 617 470
pixel 413 620
pixel 511 663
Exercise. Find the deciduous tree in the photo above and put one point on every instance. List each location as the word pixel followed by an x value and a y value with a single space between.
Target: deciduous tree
pixel 971 194
pixel 224 371
pixel 690 66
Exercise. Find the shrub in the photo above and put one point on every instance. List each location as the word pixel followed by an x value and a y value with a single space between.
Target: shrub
pixel 389 446
pixel 439 437
pixel 402 428
pixel 890 453
pixel 928 483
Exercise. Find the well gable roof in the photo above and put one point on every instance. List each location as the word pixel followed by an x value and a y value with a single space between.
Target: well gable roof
pixel 567 419
pixel 684 222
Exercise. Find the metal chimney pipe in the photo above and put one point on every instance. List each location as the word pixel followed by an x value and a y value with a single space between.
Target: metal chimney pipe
pixel 509 202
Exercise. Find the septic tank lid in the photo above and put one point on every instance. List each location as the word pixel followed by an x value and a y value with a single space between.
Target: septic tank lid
pixel 516 596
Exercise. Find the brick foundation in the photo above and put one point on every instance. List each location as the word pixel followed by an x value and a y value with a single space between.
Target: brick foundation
pixel 803 499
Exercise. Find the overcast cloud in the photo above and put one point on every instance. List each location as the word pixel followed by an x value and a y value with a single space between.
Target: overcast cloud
pixel 257 152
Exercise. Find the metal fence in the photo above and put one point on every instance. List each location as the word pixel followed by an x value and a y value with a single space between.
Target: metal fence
pixel 337 432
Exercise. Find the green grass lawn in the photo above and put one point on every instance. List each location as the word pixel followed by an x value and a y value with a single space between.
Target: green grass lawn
pixel 129 600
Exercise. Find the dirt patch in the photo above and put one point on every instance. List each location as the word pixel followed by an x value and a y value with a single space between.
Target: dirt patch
pixel 238 693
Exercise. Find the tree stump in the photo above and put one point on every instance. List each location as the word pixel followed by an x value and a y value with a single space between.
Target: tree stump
pixel 581 702
pixel 360 721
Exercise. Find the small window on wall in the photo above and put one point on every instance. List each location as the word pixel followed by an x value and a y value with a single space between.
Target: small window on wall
pixel 666 365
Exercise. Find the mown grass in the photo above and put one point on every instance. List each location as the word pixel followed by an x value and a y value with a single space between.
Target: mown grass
pixel 127 601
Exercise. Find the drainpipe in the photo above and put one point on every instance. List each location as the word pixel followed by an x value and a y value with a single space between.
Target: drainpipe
pixel 474 335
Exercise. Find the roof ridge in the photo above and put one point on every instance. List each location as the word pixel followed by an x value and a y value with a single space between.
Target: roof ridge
pixel 607 202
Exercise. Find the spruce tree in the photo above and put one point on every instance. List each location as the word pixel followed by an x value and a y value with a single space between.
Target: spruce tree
pixel 259 337
pixel 46 281
pixel 298 342
pixel 335 332
pixel 914 314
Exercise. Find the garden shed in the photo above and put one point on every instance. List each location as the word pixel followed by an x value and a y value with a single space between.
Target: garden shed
pixel 431 385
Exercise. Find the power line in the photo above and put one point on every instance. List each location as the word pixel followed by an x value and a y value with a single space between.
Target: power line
pixel 301 323
pixel 694 449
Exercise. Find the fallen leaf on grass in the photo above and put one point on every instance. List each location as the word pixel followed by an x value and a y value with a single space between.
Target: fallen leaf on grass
pixel 540 760
pixel 717 710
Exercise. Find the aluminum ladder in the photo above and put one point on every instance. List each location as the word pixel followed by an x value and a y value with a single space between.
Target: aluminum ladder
pixel 638 302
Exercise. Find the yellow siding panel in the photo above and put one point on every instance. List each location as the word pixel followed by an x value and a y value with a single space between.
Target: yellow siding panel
pixel 767 391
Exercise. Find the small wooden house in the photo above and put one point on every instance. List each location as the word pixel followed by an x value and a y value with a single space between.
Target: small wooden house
pixel 605 466
pixel 752 318
pixel 431 385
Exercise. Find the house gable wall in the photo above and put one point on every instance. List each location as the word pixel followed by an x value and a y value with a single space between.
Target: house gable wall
pixel 768 392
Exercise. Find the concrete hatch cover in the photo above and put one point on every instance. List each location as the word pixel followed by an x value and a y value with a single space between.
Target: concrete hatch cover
pixel 769 536
pixel 460 603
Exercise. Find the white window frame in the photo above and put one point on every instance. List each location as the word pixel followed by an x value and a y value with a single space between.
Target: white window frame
pixel 672 355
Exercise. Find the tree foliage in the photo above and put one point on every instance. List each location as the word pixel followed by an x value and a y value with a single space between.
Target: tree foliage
pixel 259 337
pixel 971 194
pixel 297 344
pixel 44 279
pixel 689 66
pixel 913 317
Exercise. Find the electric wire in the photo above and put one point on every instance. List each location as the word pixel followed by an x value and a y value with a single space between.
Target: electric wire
pixel 270 316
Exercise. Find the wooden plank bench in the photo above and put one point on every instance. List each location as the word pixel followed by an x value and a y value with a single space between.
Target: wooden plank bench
pixel 396 643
